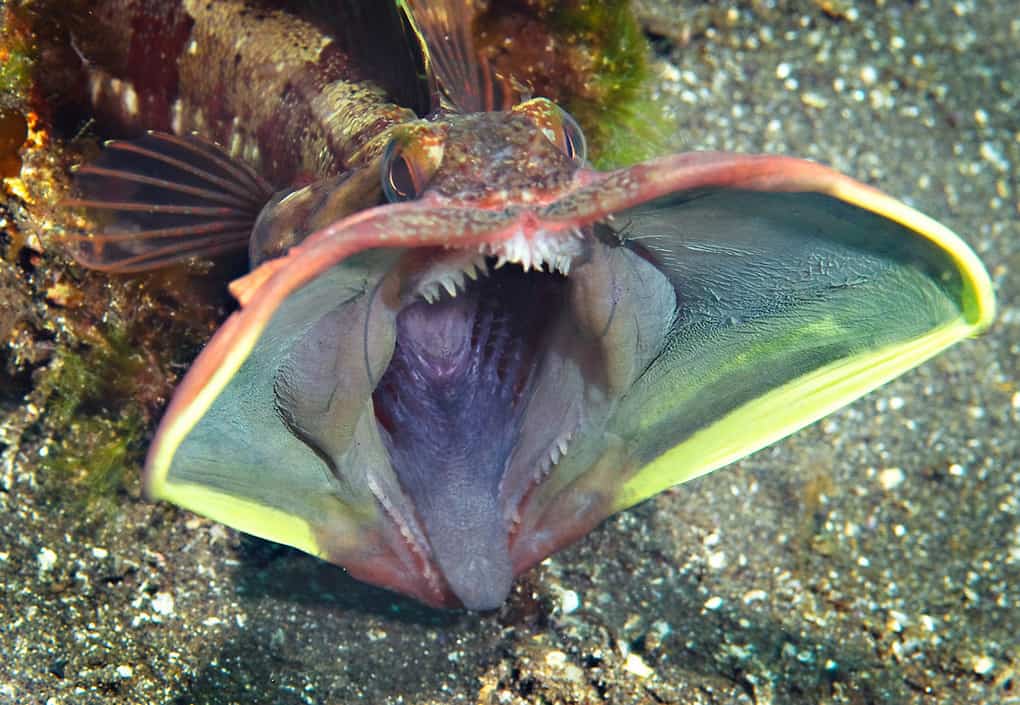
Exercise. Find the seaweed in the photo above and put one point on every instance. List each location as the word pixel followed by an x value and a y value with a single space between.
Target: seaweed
pixel 17 58
pixel 592 58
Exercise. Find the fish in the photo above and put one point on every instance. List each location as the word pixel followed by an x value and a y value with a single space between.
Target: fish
pixel 460 347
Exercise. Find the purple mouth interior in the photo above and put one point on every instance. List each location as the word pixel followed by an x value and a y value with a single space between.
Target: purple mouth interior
pixel 450 407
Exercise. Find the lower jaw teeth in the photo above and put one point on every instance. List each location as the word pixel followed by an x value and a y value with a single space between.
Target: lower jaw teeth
pixel 558 451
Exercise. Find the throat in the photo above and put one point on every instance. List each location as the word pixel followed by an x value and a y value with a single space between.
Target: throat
pixel 451 406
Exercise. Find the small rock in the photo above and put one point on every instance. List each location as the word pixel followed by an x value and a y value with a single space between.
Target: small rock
pixel 983 665
pixel 555 659
pixel 163 603
pixel 47 559
pixel 636 665
pixel 713 603
pixel 569 601
pixel 891 478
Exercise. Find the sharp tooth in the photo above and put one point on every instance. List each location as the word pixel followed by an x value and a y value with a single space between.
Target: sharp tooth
pixel 561 443
pixel 450 286
pixel 430 292
pixel 500 261
pixel 482 267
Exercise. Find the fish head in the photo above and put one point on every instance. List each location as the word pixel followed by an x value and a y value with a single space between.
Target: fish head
pixel 492 160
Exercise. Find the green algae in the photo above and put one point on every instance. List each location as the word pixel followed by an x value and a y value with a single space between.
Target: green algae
pixel 16 69
pixel 17 58
pixel 94 460
pixel 619 117
pixel 97 429
pixel 590 57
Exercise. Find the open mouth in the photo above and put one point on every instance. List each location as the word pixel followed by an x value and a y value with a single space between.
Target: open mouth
pixel 452 408
pixel 470 383
pixel 462 369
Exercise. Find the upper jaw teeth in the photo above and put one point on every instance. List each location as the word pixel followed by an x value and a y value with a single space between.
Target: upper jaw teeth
pixel 550 251
pixel 450 274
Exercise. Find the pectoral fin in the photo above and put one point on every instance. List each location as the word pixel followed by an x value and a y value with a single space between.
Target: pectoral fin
pixel 160 199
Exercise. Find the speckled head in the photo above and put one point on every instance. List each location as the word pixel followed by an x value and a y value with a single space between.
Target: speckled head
pixel 500 159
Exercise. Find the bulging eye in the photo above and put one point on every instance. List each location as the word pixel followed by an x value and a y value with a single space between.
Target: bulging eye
pixel 558 127
pixel 400 180
pixel 408 165
pixel 572 141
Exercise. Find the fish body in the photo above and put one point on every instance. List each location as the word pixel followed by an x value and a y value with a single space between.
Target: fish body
pixel 278 90
pixel 460 347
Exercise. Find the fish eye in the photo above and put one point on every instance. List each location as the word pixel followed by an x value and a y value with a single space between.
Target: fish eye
pixel 557 125
pixel 400 179
pixel 573 143
pixel 410 161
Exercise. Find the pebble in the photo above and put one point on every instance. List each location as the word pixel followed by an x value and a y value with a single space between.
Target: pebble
pixel 891 478
pixel 636 665
pixel 756 595
pixel 47 559
pixel 555 659
pixel 569 601
pixel 983 665
pixel 717 560
pixel 163 603
pixel 713 603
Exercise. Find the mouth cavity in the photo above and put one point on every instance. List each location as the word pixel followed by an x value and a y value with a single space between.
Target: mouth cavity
pixel 473 399
pixel 451 408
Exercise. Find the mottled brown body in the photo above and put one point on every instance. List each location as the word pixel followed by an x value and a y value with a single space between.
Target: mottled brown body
pixel 275 89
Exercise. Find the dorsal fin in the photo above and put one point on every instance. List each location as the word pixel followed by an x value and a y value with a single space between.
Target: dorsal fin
pixel 464 81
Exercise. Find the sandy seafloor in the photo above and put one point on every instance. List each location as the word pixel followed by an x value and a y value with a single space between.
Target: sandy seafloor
pixel 872 558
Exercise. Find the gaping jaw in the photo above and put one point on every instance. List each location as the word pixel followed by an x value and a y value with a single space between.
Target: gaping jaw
pixel 437 444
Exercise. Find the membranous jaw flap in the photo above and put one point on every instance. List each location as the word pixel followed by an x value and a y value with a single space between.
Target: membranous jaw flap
pixel 439 443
